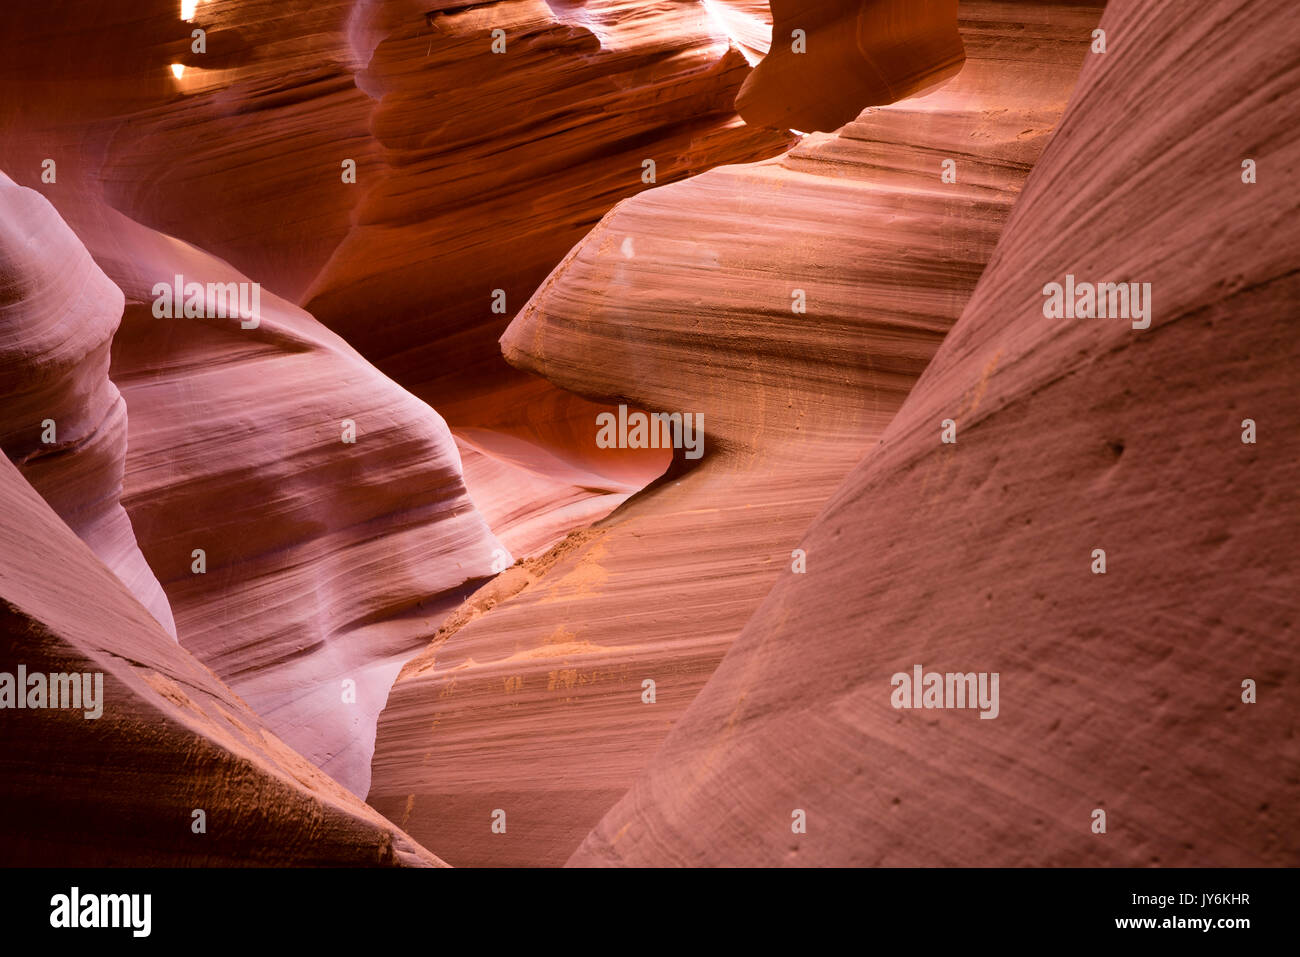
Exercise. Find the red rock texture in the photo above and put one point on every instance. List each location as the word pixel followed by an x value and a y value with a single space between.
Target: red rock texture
pixel 528 648
pixel 458 192
pixel 327 561
pixel 474 193
pixel 830 58
pixel 1120 691
pixel 61 420
pixel 471 194
pixel 684 294
pixel 121 789
pixel 241 155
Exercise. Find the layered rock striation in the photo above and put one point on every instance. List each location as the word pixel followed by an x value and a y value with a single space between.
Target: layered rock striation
pixel 1111 532
pixel 62 420
pixel 165 766
pixel 790 303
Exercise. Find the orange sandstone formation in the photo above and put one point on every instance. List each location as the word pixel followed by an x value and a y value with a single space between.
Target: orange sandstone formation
pixel 1159 693
pixel 277 234
pixel 792 303
pixel 175 769
pixel 493 165
pixel 328 562
pixel 61 419
pixel 830 58
pixel 328 502
pixel 306 515
pixel 377 153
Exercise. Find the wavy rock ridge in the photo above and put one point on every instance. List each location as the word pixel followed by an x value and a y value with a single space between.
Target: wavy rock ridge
pixel 478 194
pixel 330 556
pixel 122 789
pixel 303 566
pixel 61 419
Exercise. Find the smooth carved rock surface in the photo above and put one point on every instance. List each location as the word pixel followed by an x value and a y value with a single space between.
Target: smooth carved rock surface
pixel 458 191
pixel 830 58
pixel 121 789
pixel 491 166
pixel 708 657
pixel 532 468
pixel 327 561
pixel 240 155
pixel 1120 691
pixel 531 497
pixel 530 699
pixel 62 421
pixel 472 194
pixel 322 561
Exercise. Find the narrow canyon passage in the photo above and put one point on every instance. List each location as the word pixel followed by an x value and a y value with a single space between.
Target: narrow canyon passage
pixel 792 303
pixel 334 335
